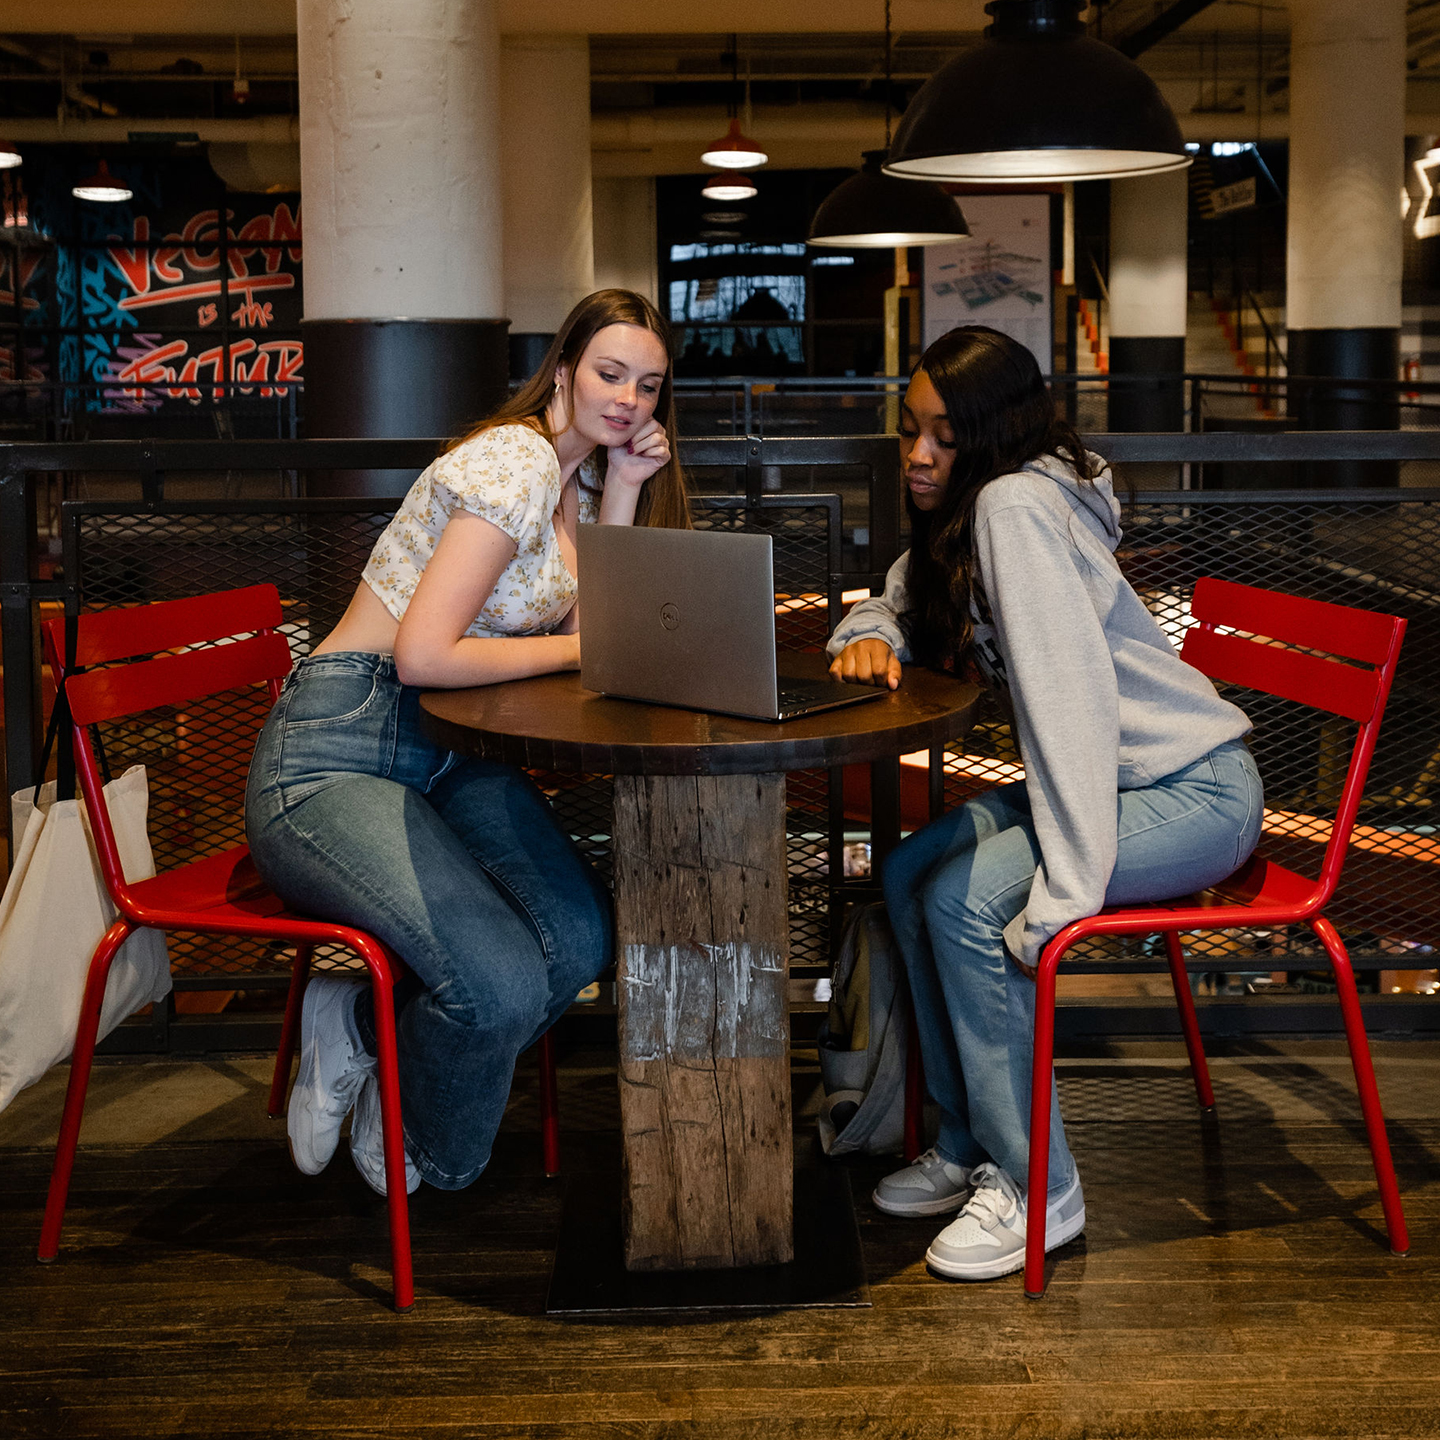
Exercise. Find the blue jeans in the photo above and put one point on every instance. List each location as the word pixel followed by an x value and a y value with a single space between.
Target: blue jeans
pixel 459 865
pixel 953 887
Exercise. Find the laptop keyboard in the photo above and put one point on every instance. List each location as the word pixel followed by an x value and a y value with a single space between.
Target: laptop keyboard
pixel 802 692
pixel 799 697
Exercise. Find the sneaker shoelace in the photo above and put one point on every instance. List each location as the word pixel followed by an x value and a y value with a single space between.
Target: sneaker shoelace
pixel 989 1205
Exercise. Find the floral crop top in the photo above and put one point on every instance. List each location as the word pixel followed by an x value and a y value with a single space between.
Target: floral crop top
pixel 510 476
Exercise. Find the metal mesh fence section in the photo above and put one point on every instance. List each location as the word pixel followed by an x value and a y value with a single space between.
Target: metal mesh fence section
pixel 802 551
pixel 1374 555
pixel 197 756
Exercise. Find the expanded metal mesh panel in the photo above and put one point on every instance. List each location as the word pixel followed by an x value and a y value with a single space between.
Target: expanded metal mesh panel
pixel 1371 555
pixel 801 536
pixel 197 757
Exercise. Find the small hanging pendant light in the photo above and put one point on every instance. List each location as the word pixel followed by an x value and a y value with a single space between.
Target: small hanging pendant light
pixel 103 186
pixel 725 187
pixel 735 150
pixel 874 210
pixel 1037 100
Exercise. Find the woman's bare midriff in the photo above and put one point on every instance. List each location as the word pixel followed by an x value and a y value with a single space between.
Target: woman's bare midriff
pixel 366 625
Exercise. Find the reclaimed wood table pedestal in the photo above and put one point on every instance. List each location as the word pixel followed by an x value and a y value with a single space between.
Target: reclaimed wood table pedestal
pixel 702 959
pixel 702 944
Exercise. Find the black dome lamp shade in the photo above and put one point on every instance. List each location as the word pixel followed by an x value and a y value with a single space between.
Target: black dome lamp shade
pixel 1037 100
pixel 873 210
pixel 876 210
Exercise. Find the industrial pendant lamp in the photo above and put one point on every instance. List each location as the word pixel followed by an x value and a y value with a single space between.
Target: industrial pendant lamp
pixel 875 210
pixel 734 150
pixel 729 187
pixel 102 185
pixel 1037 100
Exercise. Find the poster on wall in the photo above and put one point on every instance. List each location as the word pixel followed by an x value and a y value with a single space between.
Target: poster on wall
pixel 1000 276
pixel 183 295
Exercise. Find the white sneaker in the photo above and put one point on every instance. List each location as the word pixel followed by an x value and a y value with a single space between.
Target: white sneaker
pixel 987 1238
pixel 333 1067
pixel 931 1186
pixel 367 1142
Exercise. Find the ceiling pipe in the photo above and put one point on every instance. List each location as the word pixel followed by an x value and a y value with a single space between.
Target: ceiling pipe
pixel 845 128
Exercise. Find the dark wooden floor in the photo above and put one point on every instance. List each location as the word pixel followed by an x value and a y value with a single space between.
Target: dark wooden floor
pixel 1233 1282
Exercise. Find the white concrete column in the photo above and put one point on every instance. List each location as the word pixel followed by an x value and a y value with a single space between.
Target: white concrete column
pixel 1343 266
pixel 400 173
pixel 399 158
pixel 1149 291
pixel 1347 153
pixel 1149 276
pixel 545 165
pixel 626 257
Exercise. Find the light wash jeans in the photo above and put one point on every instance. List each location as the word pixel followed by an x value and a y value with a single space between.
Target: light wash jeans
pixel 953 887
pixel 460 865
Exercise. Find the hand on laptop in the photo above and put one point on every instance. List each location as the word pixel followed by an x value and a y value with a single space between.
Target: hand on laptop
pixel 867 662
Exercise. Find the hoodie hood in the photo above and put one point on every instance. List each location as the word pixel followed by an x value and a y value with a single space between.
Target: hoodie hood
pixel 1095 498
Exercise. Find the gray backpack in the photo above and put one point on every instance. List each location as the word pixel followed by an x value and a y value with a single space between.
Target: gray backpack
pixel 863 1042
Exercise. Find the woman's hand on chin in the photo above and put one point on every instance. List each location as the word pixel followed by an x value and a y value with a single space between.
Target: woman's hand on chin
pixel 633 463
pixel 867 662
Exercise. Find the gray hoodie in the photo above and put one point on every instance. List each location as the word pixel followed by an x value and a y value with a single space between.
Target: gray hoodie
pixel 1102 701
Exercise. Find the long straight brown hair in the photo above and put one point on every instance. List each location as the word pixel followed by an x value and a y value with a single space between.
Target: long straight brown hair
pixel 664 500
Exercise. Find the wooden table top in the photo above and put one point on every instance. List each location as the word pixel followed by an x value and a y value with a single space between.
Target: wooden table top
pixel 552 722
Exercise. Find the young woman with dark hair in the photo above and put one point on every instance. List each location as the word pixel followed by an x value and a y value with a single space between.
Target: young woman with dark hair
pixel 1138 786
pixel 460 865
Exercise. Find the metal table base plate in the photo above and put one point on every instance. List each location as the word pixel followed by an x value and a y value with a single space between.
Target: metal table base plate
pixel 828 1271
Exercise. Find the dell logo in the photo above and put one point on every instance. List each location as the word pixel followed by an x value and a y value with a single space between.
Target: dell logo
pixel 670 617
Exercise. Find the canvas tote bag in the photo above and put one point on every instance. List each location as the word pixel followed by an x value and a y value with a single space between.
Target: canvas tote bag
pixel 54 910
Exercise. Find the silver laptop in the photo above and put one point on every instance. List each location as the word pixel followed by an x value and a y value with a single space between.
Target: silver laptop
pixel 687 617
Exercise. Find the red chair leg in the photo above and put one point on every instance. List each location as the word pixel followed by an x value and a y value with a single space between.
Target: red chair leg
pixel 80 1061
pixel 289 1031
pixel 392 1129
pixel 1365 1084
pixel 1189 1021
pixel 549 1106
pixel 1042 1072
pixel 914 1092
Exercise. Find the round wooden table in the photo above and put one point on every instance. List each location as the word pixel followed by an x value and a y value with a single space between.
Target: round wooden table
pixel 701 920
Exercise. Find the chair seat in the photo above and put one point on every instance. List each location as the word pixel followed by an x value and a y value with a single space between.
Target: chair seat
pixel 1268 894
pixel 223 892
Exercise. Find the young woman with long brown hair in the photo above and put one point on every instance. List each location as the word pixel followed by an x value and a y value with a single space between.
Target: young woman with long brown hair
pixel 459 865
pixel 1138 786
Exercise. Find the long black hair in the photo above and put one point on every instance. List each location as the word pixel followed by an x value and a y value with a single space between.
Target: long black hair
pixel 1003 417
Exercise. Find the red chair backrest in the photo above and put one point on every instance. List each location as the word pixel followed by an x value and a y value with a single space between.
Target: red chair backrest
pixel 106 637
pixel 1265 641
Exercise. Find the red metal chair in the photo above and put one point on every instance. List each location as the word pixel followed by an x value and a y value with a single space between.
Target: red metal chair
pixel 220 894
pixel 1266 642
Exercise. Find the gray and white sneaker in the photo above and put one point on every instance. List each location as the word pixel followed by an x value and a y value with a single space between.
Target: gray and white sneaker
pixel 333 1067
pixel 367 1142
pixel 931 1186
pixel 987 1238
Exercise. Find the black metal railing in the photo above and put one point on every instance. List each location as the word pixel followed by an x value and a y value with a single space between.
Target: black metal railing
pixel 773 406
pixel 135 533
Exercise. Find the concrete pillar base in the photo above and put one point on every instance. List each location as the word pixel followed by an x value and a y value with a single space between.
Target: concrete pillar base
pixel 398 378
pixel 527 350
pixel 1369 353
pixel 1148 404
